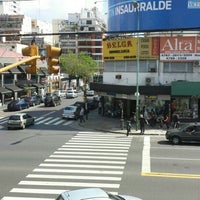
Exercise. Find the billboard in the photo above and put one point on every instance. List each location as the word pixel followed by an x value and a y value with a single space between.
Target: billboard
pixel 153 15
pixel 179 49
pixel 126 49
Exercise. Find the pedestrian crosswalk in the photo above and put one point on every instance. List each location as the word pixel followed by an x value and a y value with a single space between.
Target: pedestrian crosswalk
pixel 87 160
pixel 43 120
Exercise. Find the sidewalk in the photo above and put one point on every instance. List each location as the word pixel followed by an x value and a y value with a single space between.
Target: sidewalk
pixel 112 125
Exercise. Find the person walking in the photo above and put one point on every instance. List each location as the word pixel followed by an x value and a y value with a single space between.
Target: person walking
pixel 99 107
pixel 175 120
pixel 81 115
pixel 142 121
pixel 167 121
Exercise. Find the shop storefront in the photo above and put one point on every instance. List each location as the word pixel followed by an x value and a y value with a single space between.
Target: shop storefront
pixel 185 100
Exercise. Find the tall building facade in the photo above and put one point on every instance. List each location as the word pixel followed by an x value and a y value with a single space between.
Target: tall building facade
pixel 89 22
pixel 10 7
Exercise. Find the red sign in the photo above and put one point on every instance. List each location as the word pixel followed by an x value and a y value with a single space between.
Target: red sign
pixel 179 48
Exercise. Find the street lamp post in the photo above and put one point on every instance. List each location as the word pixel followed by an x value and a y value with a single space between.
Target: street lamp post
pixel 137 94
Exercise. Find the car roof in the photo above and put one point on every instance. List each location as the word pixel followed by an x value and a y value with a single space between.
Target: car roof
pixel 85 193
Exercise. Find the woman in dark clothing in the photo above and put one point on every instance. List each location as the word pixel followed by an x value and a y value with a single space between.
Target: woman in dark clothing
pixel 143 121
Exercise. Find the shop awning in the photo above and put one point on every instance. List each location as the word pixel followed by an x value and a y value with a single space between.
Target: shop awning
pixel 4 90
pixel 185 88
pixel 38 85
pixel 13 88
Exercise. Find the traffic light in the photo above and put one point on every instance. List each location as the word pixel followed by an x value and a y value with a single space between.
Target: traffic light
pixel 52 54
pixel 32 50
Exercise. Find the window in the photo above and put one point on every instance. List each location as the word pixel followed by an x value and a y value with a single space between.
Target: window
pixel 177 67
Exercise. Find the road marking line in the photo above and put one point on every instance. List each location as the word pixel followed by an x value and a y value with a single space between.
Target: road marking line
pixel 92 149
pixel 70 184
pixel 146 162
pixel 60 122
pixel 53 120
pixel 78 171
pixel 90 153
pixel 171 175
pixel 82 166
pixel 36 191
pixel 96 146
pixel 67 123
pixel 48 176
pixel 86 161
pixel 99 144
pixel 89 157
pixel 100 140
pixel 44 120
pixel 25 198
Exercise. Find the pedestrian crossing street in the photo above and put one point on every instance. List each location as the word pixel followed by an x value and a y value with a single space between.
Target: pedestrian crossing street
pixel 89 159
pixel 44 121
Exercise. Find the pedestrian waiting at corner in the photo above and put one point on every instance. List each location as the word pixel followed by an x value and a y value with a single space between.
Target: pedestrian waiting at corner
pixel 81 115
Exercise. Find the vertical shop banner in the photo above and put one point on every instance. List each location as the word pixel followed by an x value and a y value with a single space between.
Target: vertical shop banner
pixel 126 49
pixel 151 15
pixel 179 48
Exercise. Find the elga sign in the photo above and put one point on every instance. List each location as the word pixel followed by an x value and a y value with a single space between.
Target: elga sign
pixel 126 49
pixel 152 15
pixel 179 48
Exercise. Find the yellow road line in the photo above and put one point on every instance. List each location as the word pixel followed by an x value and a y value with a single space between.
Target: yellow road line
pixel 171 175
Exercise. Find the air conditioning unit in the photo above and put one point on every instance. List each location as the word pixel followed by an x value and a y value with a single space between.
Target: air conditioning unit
pixel 149 80
pixel 197 63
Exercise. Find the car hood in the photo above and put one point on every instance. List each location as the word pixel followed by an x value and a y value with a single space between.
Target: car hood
pixel 126 197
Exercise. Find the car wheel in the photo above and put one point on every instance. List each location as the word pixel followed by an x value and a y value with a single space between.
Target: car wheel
pixel 176 140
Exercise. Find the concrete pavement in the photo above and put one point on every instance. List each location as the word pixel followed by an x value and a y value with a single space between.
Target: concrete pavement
pixel 113 125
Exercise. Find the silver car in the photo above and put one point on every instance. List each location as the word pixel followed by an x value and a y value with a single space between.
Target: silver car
pixel 92 194
pixel 71 112
pixel 20 120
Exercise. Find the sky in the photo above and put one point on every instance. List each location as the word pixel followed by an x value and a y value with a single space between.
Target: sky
pixel 55 9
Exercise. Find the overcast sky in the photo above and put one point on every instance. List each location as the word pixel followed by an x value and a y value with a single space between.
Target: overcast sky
pixel 55 9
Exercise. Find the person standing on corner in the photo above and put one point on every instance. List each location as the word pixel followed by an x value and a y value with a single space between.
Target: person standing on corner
pixel 81 115
pixel 142 121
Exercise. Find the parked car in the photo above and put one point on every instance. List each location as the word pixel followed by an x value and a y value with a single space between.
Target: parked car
pixel 71 112
pixel 20 120
pixel 92 193
pixel 186 132
pixel 71 94
pixel 17 105
pixel 52 99
pixel 91 104
pixel 32 100
pixel 60 93
pixel 90 92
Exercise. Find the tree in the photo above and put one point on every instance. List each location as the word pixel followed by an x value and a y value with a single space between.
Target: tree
pixel 78 65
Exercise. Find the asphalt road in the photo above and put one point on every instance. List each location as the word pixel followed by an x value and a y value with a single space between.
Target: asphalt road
pixel 43 160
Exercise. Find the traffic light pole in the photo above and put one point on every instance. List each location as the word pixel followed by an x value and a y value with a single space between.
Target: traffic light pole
pixel 11 66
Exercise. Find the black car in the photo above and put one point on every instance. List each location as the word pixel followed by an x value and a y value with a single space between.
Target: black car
pixel 52 99
pixel 91 104
pixel 186 132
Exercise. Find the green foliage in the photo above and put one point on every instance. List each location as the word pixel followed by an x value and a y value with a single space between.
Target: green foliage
pixel 81 65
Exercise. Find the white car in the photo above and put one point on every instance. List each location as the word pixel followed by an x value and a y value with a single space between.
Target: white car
pixel 90 92
pixel 20 120
pixel 71 94
pixel 71 112
pixel 91 194
pixel 60 93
